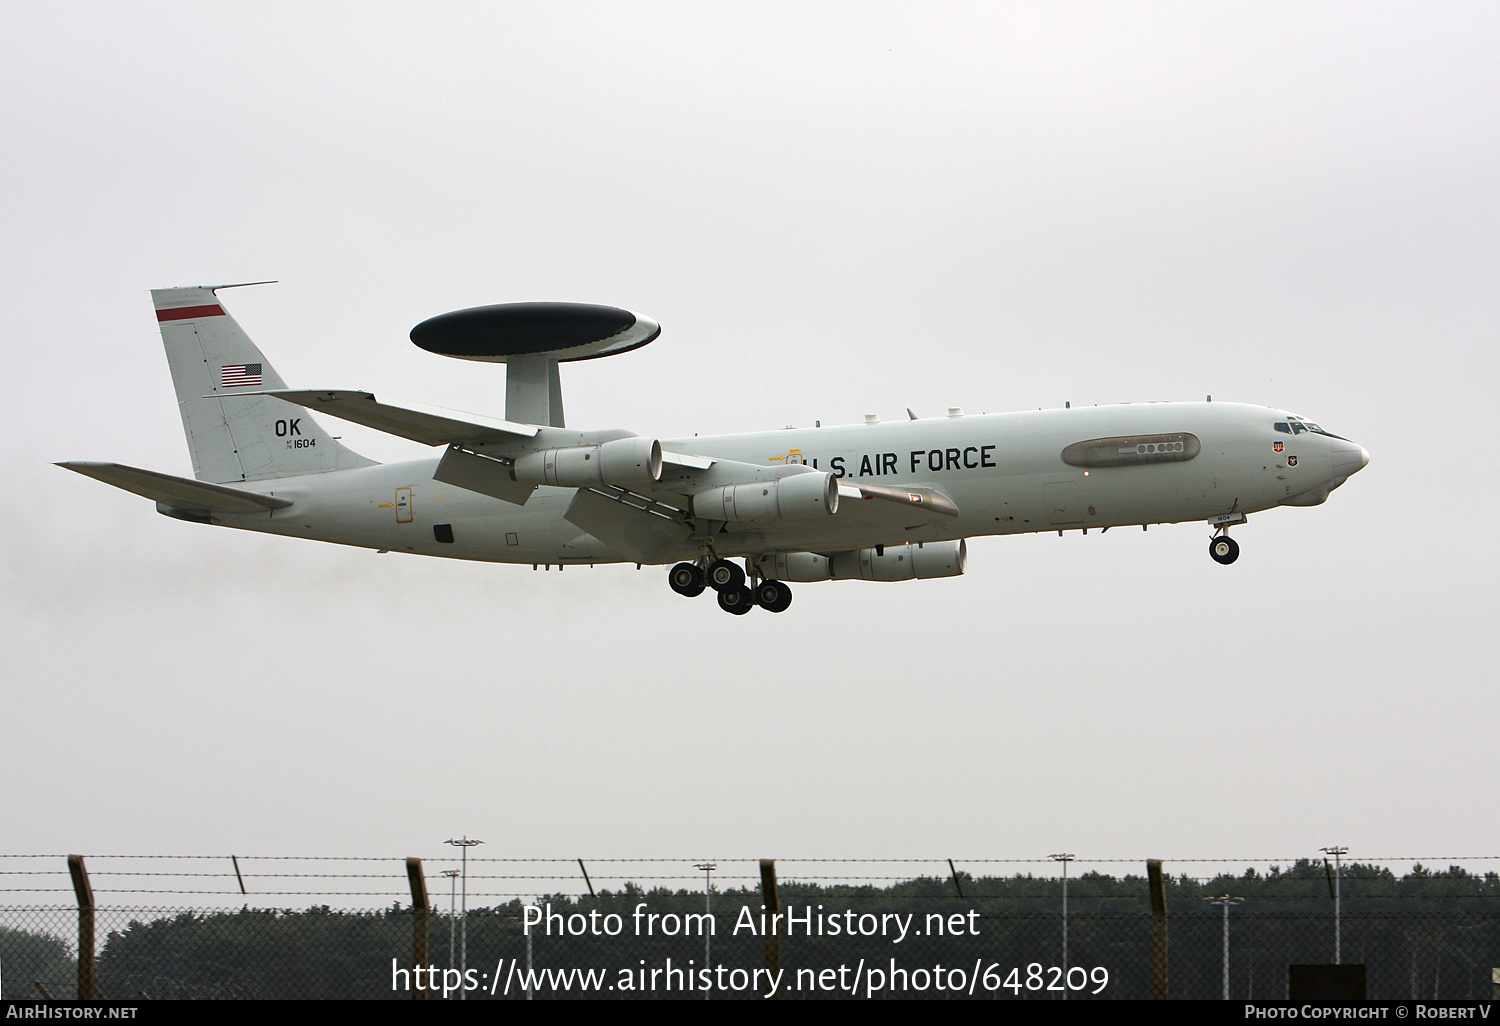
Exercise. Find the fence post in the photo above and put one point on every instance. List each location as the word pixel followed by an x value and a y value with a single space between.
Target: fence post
pixel 420 910
pixel 772 901
pixel 1158 930
pixel 954 872
pixel 85 894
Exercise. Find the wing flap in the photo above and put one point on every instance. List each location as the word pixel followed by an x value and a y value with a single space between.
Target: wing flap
pixel 481 474
pixel 865 506
pixel 631 531
pixel 430 425
pixel 680 459
pixel 926 499
pixel 178 492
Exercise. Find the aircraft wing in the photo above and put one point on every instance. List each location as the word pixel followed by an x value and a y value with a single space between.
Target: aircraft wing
pixel 648 527
pixel 430 425
pixel 178 492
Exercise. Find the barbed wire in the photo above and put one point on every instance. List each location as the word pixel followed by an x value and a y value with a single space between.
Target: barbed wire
pixel 532 894
pixel 1039 860
pixel 617 875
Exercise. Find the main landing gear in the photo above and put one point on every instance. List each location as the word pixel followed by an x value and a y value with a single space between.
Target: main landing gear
pixel 773 596
pixel 686 579
pixel 728 580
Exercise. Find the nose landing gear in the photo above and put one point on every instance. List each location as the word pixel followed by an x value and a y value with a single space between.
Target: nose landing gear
pixel 1223 549
pixel 729 582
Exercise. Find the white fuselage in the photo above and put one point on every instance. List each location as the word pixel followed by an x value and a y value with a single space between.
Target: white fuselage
pixel 1004 472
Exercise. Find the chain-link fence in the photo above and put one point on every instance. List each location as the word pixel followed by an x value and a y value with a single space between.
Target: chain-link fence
pixel 842 931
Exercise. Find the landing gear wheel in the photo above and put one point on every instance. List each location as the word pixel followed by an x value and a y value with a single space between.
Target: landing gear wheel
pixel 1224 549
pixel 736 600
pixel 686 579
pixel 724 576
pixel 773 596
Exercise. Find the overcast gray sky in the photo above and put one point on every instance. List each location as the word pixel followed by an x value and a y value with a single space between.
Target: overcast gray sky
pixel 833 210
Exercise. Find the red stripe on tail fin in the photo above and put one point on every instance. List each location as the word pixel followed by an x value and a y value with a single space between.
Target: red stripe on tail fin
pixel 183 313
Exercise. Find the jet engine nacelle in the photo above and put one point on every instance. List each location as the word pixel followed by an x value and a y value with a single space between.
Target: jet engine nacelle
pixel 623 462
pixel 795 567
pixel 794 497
pixel 891 563
pixel 919 562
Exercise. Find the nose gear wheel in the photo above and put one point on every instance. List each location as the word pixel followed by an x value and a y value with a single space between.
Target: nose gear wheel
pixel 1223 549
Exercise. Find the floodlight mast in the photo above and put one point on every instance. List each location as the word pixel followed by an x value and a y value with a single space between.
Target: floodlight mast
pixel 464 844
pixel 1226 901
pixel 452 875
pixel 530 979
pixel 1336 851
pixel 1064 857
pixel 708 872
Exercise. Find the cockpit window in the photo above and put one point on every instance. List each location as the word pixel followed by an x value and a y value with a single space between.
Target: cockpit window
pixel 1296 426
pixel 1283 428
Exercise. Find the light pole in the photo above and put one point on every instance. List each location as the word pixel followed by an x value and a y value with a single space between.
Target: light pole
pixel 1336 851
pixel 1064 857
pixel 1226 901
pixel 452 875
pixel 464 844
pixel 708 890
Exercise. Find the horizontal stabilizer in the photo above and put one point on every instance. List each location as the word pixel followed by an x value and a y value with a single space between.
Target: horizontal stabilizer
pixel 179 492
pixel 430 425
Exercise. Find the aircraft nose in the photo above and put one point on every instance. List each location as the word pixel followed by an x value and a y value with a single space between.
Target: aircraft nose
pixel 1348 457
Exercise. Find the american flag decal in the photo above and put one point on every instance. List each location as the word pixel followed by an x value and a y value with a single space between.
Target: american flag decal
pixel 238 375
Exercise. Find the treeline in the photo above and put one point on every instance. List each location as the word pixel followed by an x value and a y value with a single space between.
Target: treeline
pixel 1428 934
pixel 26 957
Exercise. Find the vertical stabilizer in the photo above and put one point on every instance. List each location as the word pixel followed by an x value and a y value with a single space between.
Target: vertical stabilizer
pixel 233 436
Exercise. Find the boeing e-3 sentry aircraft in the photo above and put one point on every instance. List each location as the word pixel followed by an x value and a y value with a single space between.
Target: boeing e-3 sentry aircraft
pixel 889 501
